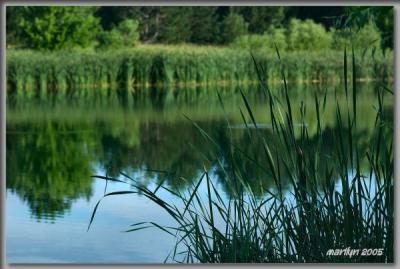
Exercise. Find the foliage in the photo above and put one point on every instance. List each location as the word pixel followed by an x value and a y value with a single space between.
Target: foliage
pixel 297 36
pixel 13 32
pixel 110 39
pixel 176 25
pixel 261 18
pixel 57 27
pixel 203 23
pixel 329 16
pixel 274 37
pixel 366 16
pixel 148 17
pixel 252 42
pixel 125 35
pixel 278 38
pixel 233 26
pixel 128 31
pixel 186 24
pixel 307 35
pixel 310 36
pixel 367 37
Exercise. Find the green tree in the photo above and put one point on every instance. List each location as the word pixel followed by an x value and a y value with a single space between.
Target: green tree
pixel 233 26
pixel 112 15
pixel 203 25
pixel 260 19
pixel 273 37
pixel 366 16
pixel 129 32
pixel 13 32
pixel 149 19
pixel 277 37
pixel 124 35
pixel 57 27
pixel 307 35
pixel 367 37
pixel 175 25
pixel 329 16
pixel 110 39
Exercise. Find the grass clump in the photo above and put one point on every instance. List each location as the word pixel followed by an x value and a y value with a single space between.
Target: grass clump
pixel 332 203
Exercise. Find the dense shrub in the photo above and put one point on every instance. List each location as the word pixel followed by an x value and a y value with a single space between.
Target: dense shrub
pixel 267 41
pixel 124 35
pixel 298 36
pixel 233 26
pixel 367 37
pixel 277 37
pixel 57 27
pixel 110 39
pixel 307 35
pixel 252 42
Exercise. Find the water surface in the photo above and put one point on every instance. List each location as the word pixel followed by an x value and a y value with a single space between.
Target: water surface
pixel 55 142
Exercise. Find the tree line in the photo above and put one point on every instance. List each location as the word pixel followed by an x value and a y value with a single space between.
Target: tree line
pixel 64 27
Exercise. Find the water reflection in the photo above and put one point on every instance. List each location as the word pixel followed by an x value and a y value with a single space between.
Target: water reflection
pixel 48 166
pixel 51 156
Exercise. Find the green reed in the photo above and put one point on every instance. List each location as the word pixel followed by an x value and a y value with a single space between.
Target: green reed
pixel 160 64
pixel 299 224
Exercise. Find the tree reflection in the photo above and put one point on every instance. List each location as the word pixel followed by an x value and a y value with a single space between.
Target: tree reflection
pixel 48 167
pixel 49 162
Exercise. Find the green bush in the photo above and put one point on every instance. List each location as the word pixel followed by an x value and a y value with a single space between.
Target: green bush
pixel 299 36
pixel 251 42
pixel 110 39
pixel 57 27
pixel 307 35
pixel 267 41
pixel 367 37
pixel 233 26
pixel 124 35
pixel 277 37
pixel 129 32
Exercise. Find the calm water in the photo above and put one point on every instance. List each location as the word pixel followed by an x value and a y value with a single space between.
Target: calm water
pixel 55 142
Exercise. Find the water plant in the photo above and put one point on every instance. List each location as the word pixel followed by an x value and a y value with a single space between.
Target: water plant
pixel 170 65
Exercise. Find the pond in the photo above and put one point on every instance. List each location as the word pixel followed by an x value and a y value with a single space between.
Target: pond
pixel 55 142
